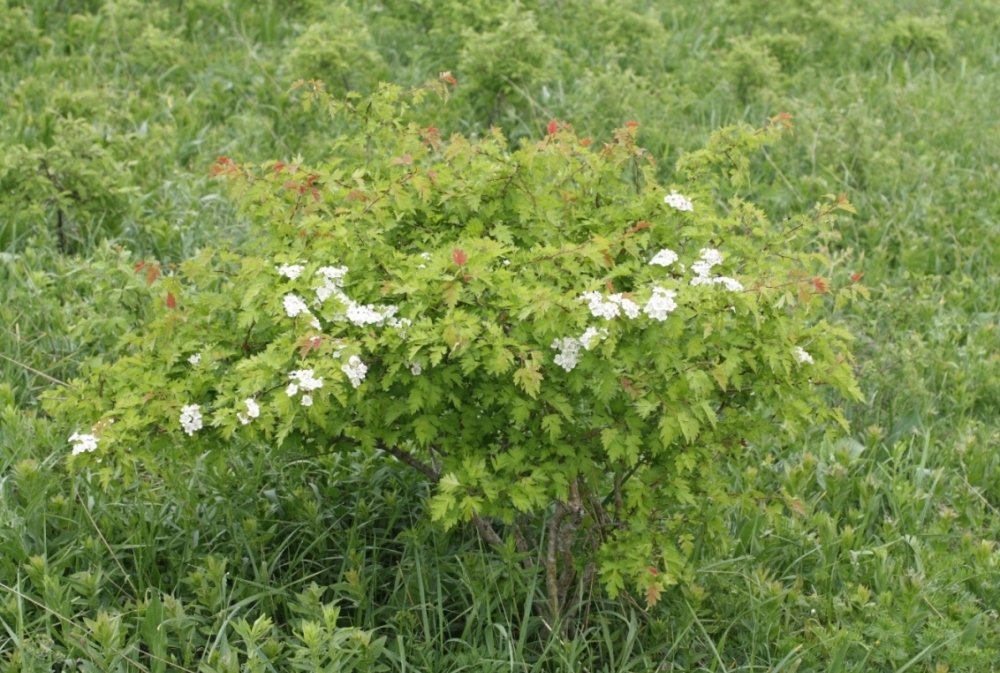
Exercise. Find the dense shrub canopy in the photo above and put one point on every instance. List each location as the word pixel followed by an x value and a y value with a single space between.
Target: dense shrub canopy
pixel 533 326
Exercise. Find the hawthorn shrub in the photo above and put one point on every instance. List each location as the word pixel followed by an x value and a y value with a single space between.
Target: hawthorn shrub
pixel 566 348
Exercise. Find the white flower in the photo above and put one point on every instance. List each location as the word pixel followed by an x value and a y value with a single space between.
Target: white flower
pixel 664 258
pixel 591 333
pixel 362 315
pixel 333 280
pixel 294 305
pixel 610 308
pixel 191 418
pixel 660 304
pixel 253 411
pixel 307 400
pixel 355 370
pixel 731 284
pixel 416 368
pixel 306 381
pixel 802 356
pixel 569 352
pixel 195 359
pixel 292 271
pixel 710 257
pixel 678 201
pixel 333 274
pixel 425 255
pixel 630 307
pixel 84 442
pixel 315 323
pixel 292 390
pixel 506 262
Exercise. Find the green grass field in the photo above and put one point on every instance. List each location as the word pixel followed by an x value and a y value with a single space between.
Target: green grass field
pixel 877 552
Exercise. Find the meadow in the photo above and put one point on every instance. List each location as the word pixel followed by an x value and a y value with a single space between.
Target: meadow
pixel 873 551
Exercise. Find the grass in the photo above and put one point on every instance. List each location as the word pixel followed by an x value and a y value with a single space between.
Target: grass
pixel 873 554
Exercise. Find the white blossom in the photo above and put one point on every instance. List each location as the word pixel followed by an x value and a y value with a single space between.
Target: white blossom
pixel 678 201
pixel 660 304
pixel 82 443
pixel 710 257
pixel 306 381
pixel 292 271
pixel 664 257
pixel 195 359
pixel 355 370
pixel 292 390
pixel 630 307
pixel 416 368
pixel 307 400
pixel 333 274
pixel 253 411
pixel 191 418
pixel 569 352
pixel 612 307
pixel 731 284
pixel 590 334
pixel 802 356
pixel 294 305
pixel 333 280
pixel 314 323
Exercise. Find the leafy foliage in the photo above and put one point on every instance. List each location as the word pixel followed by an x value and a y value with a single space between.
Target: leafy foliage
pixel 441 275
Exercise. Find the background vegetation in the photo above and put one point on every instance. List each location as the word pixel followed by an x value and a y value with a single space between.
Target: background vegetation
pixel 876 553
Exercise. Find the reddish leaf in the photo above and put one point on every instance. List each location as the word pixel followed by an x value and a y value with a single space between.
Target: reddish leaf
pixel 820 284
pixel 855 277
pixel 405 160
pixel 632 124
pixel 653 571
pixel 586 142
pixel 278 167
pixel 309 344
pixel 446 77
pixel 139 266
pixel 459 257
pixel 152 273
pixel 553 127
pixel 653 592
pixel 171 300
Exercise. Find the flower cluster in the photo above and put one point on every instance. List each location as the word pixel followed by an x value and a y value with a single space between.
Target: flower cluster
pixel 253 411
pixel 802 356
pixel 306 381
pixel 569 348
pixel 82 443
pixel 291 271
pixel 195 359
pixel 357 314
pixel 355 370
pixel 660 304
pixel 295 305
pixel 191 419
pixel 333 280
pixel 569 352
pixel 416 368
pixel 710 257
pixel 675 200
pixel 664 258
pixel 611 307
